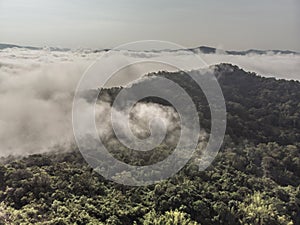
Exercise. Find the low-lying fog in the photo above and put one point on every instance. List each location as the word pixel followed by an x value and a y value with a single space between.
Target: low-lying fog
pixel 37 88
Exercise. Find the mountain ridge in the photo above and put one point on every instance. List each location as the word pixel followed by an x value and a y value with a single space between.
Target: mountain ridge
pixel 200 49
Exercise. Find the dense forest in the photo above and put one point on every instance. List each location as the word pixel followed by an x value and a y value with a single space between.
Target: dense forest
pixel 255 178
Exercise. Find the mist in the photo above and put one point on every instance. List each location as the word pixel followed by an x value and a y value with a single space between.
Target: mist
pixel 37 89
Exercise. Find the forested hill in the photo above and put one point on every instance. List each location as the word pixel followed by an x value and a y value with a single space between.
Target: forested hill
pixel 259 109
pixel 254 180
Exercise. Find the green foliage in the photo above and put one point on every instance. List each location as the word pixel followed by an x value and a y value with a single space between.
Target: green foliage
pixel 257 209
pixel 239 188
pixel 169 218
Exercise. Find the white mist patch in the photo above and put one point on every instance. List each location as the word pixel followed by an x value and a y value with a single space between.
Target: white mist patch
pixel 280 66
pixel 139 121
pixel 36 108
pixel 36 94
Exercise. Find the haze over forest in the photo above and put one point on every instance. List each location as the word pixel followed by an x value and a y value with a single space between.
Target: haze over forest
pixel 198 125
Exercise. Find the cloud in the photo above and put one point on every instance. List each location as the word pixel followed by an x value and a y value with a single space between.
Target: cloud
pixel 36 95
pixel 37 88
pixel 281 66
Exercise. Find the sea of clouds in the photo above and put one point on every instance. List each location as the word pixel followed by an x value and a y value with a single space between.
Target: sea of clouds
pixel 37 89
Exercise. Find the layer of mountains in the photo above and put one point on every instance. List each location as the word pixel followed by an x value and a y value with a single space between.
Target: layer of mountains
pixel 201 49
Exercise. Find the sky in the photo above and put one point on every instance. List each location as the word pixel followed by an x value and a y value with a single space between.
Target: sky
pixel 226 24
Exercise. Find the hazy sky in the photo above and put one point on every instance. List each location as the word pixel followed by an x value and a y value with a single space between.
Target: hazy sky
pixel 229 24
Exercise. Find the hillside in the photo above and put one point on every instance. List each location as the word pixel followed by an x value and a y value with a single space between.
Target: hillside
pixel 254 180
pixel 258 109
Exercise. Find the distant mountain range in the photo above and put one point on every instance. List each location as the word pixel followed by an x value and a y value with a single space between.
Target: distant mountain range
pixel 210 50
pixel 201 49
pixel 5 46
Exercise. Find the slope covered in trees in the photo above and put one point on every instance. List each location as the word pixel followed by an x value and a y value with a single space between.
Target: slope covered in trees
pixel 255 178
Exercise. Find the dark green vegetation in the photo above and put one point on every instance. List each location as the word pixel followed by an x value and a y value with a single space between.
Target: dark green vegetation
pixel 254 180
